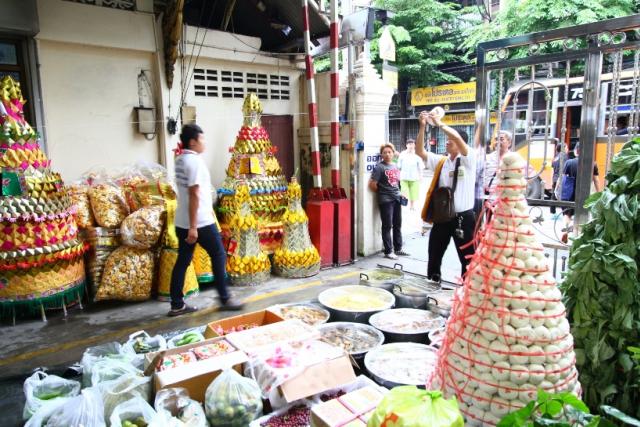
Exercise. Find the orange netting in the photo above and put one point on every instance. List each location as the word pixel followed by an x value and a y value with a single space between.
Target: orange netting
pixel 508 334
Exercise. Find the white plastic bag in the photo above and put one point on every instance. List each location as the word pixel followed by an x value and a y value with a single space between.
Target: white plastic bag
pixel 41 389
pixel 112 350
pixel 84 410
pixel 177 403
pixel 125 388
pixel 232 400
pixel 141 343
pixel 105 370
pixel 136 410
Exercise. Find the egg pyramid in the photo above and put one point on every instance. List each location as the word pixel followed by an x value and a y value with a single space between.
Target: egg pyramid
pixel 297 257
pixel 247 264
pixel 508 334
pixel 254 163
pixel 41 256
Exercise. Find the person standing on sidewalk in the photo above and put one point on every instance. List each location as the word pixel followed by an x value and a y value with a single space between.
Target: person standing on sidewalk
pixel 461 158
pixel 385 180
pixel 493 161
pixel 195 222
pixel 411 167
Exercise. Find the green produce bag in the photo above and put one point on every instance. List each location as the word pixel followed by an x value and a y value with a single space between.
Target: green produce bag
pixel 232 400
pixel 408 406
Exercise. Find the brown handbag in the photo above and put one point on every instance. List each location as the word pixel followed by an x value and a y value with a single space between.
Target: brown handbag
pixel 442 200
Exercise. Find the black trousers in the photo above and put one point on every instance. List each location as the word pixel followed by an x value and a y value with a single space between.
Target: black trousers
pixel 211 241
pixel 440 237
pixel 391 215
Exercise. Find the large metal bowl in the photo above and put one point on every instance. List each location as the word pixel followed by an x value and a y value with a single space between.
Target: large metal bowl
pixel 406 324
pixel 355 303
pixel 355 338
pixel 441 302
pixel 404 363
pixel 322 314
pixel 383 278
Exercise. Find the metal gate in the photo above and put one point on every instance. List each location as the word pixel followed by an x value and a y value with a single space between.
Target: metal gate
pixel 562 86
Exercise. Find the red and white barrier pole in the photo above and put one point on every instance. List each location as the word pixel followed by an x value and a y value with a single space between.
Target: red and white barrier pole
pixel 313 107
pixel 335 125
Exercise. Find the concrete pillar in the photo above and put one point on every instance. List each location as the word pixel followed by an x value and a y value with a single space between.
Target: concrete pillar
pixel 372 99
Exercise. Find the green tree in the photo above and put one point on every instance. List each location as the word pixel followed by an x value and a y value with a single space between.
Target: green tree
pixel 530 16
pixel 427 35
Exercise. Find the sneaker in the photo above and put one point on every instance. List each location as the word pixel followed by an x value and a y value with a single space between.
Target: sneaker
pixel 391 256
pixel 180 311
pixel 232 304
pixel 402 253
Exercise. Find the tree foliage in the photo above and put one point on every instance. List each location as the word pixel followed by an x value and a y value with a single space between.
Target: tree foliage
pixel 530 16
pixel 427 35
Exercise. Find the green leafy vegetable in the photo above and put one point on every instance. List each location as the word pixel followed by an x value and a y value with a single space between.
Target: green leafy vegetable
pixel 602 289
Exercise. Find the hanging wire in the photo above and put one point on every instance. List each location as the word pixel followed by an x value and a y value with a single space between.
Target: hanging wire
pixel 634 119
pixel 613 106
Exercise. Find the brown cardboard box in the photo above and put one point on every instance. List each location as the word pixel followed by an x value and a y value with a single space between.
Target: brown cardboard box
pixel 318 379
pixel 261 318
pixel 353 409
pixel 253 340
pixel 196 376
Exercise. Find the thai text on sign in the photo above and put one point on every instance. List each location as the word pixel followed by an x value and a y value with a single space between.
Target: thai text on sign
pixel 444 94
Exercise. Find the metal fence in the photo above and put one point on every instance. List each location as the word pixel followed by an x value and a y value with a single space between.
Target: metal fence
pixel 539 83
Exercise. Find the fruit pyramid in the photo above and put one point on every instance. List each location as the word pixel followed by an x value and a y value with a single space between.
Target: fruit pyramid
pixel 508 334
pixel 247 264
pixel 297 257
pixel 41 255
pixel 254 163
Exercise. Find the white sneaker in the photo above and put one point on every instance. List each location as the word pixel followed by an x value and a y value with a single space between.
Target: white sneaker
pixel 391 256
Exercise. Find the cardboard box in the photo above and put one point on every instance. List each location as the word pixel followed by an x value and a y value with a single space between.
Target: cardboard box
pixel 261 318
pixel 319 378
pixel 353 409
pixel 196 376
pixel 253 340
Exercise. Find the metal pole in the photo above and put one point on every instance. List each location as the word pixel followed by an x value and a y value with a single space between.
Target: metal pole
pixel 588 134
pixel 311 92
pixel 335 100
pixel 351 57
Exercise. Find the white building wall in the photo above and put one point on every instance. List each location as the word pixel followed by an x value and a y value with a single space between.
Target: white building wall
pixel 90 58
pixel 219 117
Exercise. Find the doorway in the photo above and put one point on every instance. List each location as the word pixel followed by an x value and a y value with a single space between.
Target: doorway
pixel 280 130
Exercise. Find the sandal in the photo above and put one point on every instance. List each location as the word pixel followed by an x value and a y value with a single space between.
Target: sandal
pixel 180 311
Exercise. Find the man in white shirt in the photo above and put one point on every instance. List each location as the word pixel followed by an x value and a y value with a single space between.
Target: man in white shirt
pixel 462 227
pixel 195 222
pixel 493 161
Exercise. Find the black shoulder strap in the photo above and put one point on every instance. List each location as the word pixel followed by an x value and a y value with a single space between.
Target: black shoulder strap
pixel 455 175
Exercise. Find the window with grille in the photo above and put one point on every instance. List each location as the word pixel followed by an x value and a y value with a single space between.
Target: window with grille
pixel 237 84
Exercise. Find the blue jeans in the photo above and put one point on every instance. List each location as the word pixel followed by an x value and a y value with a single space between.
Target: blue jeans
pixel 211 241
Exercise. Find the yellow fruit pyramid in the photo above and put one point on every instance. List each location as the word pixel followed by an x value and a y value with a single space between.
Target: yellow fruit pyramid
pixel 297 257
pixel 254 163
pixel 508 335
pixel 247 264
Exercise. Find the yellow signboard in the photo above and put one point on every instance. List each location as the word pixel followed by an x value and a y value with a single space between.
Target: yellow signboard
pixel 444 94
pixel 464 119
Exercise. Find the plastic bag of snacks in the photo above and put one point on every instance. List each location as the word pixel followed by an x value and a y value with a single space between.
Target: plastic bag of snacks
pixel 84 410
pixel 124 388
pixel 108 204
pixel 127 276
pixel 232 400
pixel 142 228
pixel 41 389
pixel 79 194
pixel 188 337
pixel 177 403
pixel 408 406
pixel 135 412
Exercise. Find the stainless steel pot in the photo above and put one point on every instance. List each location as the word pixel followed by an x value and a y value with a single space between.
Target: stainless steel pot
pixel 440 302
pixel 414 293
pixel 390 276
